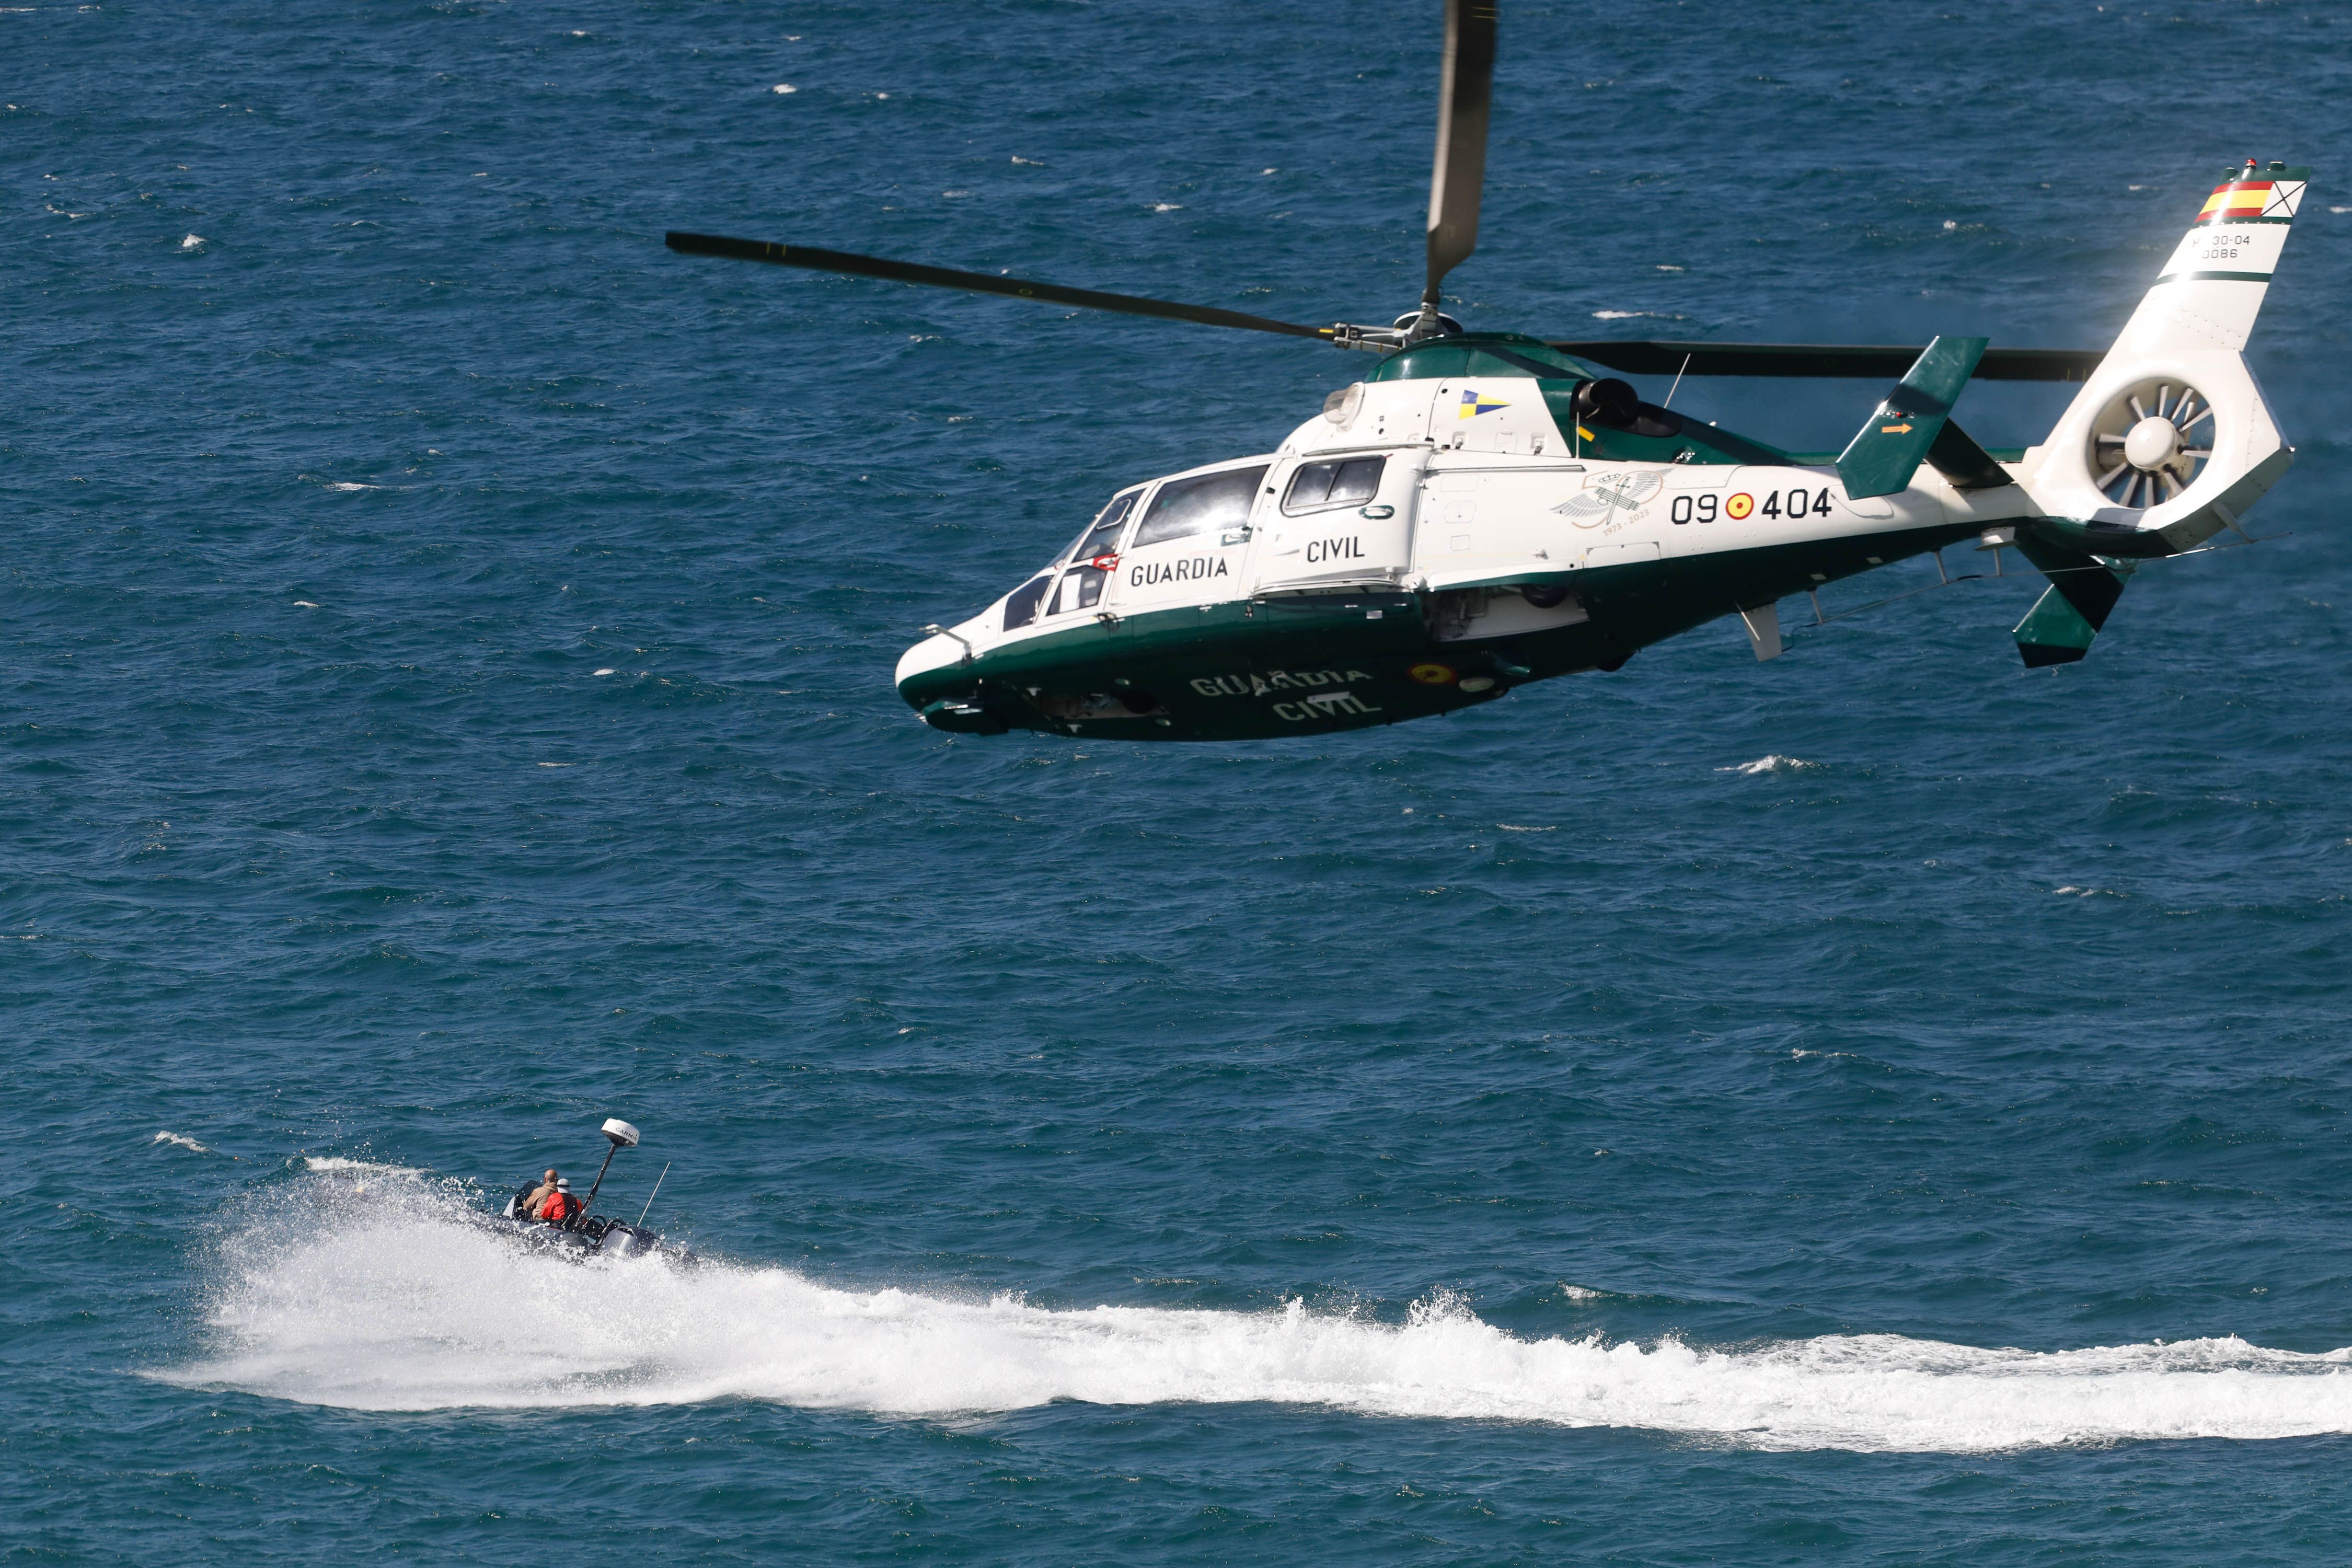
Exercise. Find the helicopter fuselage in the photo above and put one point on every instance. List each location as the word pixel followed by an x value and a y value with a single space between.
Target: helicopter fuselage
pixel 1451 528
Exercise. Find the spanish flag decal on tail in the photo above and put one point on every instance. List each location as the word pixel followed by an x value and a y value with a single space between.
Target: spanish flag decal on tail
pixel 1474 405
pixel 2250 200
pixel 2238 235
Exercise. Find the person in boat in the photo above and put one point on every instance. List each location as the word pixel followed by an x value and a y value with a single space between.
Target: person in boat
pixel 558 1208
pixel 529 1207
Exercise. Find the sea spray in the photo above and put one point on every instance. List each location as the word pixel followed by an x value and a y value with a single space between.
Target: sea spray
pixel 404 1296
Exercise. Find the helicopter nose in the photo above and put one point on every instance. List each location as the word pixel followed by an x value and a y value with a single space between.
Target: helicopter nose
pixel 937 680
pixel 940 651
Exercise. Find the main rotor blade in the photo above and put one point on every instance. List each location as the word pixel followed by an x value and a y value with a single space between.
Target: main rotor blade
pixel 1860 361
pixel 1463 95
pixel 978 283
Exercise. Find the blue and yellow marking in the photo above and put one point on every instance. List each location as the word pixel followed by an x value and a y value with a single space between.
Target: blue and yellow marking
pixel 1474 405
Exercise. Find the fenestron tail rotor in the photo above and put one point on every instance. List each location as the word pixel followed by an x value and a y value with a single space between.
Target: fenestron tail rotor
pixel 2150 443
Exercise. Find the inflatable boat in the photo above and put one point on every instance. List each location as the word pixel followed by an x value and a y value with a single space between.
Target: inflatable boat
pixel 587 1233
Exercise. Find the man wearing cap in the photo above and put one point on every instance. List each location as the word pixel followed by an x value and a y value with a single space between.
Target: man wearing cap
pixel 559 1207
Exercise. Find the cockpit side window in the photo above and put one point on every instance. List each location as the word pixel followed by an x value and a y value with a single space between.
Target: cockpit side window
pixel 1202 504
pixel 1319 487
pixel 1102 534
pixel 1081 589
pixel 1020 605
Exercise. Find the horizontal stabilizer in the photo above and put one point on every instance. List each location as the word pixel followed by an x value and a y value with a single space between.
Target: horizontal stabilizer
pixel 2082 591
pixel 1894 441
pixel 1860 361
pixel 1968 467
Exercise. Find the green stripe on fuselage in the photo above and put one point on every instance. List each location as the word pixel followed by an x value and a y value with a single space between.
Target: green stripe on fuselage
pixel 1255 669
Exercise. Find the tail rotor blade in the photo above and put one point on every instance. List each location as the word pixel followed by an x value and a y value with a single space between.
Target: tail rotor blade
pixel 977 282
pixel 1465 94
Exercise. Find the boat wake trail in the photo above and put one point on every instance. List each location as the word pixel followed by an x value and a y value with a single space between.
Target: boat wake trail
pixel 399 1302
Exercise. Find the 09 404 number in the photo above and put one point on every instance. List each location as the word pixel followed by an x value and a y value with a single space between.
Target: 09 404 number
pixel 1800 501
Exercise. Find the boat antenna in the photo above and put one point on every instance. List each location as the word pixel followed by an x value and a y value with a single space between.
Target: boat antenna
pixel 624 1136
pixel 655 1193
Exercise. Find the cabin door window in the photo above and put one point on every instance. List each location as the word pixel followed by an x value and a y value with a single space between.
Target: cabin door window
pixel 1187 548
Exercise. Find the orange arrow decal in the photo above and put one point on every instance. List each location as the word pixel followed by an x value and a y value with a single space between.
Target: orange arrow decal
pixel 1895 429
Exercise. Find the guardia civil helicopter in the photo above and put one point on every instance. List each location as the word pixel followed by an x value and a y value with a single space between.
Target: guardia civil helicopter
pixel 1483 510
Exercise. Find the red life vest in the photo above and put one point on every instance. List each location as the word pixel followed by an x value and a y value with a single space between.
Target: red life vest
pixel 559 1207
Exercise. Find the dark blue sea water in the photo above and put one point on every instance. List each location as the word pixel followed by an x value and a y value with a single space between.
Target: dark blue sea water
pixel 1878 1107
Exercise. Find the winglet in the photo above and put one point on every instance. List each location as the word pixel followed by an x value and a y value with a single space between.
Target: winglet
pixel 1892 444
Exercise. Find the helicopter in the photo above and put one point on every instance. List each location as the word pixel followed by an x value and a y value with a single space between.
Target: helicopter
pixel 1483 510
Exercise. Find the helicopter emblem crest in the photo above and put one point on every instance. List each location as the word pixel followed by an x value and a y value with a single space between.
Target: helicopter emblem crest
pixel 1609 494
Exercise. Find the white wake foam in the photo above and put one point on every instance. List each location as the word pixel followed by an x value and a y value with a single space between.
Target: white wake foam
pixel 336 1164
pixel 396 1301
pixel 178 1142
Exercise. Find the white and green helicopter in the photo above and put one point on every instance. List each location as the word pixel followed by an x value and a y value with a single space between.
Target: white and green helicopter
pixel 1484 508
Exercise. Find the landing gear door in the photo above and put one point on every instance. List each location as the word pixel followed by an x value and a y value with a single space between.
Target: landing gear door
pixel 1339 520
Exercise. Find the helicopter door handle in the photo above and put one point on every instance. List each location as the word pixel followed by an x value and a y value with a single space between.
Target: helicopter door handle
pixel 1376 513
pixel 1238 536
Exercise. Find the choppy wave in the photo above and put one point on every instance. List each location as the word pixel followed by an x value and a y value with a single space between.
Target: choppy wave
pixel 179 1140
pixel 397 1301
pixel 1774 763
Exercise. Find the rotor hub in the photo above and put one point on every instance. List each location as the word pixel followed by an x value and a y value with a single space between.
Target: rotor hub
pixel 2152 442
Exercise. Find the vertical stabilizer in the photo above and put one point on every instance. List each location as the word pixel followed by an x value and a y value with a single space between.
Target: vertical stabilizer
pixel 2211 292
pixel 2170 440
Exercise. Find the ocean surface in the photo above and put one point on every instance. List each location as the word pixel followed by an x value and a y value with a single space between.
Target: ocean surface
pixel 1879 1106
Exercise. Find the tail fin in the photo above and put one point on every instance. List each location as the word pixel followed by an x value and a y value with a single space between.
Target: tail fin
pixel 2169 440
